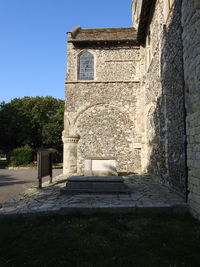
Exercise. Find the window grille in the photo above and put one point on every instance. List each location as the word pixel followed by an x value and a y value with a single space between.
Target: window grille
pixel 86 66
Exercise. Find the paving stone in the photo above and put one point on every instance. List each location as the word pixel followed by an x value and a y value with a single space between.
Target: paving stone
pixel 145 197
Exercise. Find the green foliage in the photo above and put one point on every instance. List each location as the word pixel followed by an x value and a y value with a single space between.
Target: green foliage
pixel 57 155
pixel 21 156
pixel 36 121
pixel 2 104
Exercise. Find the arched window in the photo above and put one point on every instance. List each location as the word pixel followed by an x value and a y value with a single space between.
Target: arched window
pixel 86 66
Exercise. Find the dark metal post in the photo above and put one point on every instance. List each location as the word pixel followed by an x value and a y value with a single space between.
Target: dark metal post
pixel 44 160
pixel 39 161
pixel 50 167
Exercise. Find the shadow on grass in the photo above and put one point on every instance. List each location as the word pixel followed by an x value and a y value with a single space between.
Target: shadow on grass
pixel 124 240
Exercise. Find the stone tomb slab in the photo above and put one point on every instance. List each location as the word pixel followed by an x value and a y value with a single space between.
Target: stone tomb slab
pixel 96 184
pixel 113 179
pixel 100 166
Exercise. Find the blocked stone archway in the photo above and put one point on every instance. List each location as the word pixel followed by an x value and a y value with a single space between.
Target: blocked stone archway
pixel 105 131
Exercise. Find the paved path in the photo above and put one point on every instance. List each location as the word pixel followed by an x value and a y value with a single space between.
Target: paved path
pixel 146 196
pixel 13 182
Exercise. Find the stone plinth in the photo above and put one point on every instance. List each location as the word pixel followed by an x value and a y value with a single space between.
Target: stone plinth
pixel 96 184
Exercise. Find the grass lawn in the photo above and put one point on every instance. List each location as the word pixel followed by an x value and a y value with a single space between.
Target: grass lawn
pixel 118 240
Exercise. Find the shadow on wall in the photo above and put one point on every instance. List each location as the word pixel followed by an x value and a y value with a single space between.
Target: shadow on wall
pixel 166 148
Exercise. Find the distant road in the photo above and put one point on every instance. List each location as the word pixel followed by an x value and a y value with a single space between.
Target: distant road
pixel 13 182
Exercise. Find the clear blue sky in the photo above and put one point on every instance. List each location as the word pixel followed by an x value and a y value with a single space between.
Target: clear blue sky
pixel 33 40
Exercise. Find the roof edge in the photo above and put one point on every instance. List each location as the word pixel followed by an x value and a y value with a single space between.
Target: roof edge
pixel 75 31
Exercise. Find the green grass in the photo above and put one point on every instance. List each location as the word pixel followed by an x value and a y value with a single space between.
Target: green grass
pixel 124 240
pixel 57 165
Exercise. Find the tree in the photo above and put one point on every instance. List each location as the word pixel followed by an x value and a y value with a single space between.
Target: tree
pixel 2 104
pixel 34 121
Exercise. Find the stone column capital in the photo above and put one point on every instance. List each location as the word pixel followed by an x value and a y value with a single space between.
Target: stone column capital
pixel 71 139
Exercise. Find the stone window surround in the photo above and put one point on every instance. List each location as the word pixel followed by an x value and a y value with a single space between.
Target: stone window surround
pixel 148 53
pixel 78 55
pixel 168 5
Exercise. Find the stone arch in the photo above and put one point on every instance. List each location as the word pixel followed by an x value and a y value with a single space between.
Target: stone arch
pixel 82 110
pixel 150 122
pixel 86 50
pixel 105 131
pixel 151 134
pixel 67 125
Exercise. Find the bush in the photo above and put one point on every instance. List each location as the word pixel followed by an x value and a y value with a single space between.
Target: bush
pixel 21 156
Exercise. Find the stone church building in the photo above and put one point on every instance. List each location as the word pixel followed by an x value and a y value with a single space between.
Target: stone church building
pixel 133 97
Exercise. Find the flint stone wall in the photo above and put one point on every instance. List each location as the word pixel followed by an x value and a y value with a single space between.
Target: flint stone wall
pixel 119 63
pixel 104 112
pixel 164 100
pixel 191 43
pixel 172 80
pixel 153 95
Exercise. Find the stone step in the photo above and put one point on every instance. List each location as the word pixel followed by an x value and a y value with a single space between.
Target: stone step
pixel 96 184
pixel 103 179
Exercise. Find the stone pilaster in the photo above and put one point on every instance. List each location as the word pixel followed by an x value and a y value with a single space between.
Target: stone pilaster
pixel 70 154
pixel 191 41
